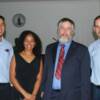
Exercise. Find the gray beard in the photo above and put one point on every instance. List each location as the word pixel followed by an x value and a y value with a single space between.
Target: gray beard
pixel 63 40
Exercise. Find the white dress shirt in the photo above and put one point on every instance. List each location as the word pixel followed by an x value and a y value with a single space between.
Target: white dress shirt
pixel 6 53
pixel 94 50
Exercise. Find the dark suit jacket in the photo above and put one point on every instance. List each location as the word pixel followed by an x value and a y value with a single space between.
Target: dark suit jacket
pixel 75 80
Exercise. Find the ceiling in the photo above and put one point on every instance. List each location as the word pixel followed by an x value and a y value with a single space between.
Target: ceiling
pixel 41 0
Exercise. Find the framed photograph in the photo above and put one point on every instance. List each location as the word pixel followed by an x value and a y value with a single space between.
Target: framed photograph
pixel 19 20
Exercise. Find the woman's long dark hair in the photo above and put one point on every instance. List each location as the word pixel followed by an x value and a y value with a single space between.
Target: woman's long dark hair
pixel 20 42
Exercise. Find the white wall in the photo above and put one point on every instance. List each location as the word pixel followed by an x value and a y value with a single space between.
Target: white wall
pixel 43 16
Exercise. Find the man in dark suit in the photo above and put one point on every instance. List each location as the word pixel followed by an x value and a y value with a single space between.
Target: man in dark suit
pixel 67 67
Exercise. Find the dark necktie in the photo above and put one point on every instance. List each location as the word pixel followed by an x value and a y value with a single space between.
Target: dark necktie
pixel 60 63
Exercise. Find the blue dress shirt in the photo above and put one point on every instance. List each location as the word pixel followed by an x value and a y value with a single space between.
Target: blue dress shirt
pixel 6 53
pixel 94 50
pixel 57 83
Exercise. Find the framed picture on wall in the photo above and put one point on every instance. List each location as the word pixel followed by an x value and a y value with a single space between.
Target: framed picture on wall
pixel 19 20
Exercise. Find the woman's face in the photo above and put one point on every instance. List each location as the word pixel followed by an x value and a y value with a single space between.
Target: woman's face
pixel 29 43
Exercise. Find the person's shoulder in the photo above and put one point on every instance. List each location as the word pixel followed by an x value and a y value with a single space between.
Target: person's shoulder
pixel 7 43
pixel 52 45
pixel 81 49
pixel 80 45
pixel 93 45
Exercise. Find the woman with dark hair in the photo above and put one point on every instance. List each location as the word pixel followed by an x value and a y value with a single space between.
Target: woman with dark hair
pixel 26 67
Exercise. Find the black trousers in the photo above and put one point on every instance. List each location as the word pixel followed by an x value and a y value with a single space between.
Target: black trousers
pixel 5 93
pixel 95 92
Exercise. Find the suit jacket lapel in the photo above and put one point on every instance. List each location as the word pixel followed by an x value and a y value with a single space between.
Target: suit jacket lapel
pixel 70 51
pixel 69 54
pixel 54 52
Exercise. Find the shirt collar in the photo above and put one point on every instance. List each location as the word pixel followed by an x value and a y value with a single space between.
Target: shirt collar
pixel 98 39
pixel 67 43
pixel 2 40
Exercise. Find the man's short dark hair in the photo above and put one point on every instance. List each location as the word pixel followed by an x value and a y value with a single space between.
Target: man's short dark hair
pixel 66 20
pixel 96 18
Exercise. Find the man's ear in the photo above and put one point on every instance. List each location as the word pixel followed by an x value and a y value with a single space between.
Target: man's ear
pixel 94 33
pixel 57 30
pixel 73 33
pixel 93 29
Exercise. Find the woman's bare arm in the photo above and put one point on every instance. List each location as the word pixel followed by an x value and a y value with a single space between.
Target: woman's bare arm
pixel 14 81
pixel 38 80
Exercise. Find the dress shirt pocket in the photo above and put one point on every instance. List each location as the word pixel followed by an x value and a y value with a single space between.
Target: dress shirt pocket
pixel 4 54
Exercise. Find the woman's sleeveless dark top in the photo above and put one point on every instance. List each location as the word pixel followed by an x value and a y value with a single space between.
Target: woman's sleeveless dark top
pixel 26 73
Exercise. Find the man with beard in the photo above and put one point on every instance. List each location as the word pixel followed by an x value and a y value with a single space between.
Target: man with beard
pixel 6 53
pixel 94 50
pixel 67 66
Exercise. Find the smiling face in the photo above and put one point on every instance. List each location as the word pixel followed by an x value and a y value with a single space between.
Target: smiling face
pixel 97 27
pixel 2 28
pixel 29 42
pixel 65 31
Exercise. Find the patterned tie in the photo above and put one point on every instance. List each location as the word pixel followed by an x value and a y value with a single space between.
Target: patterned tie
pixel 60 63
